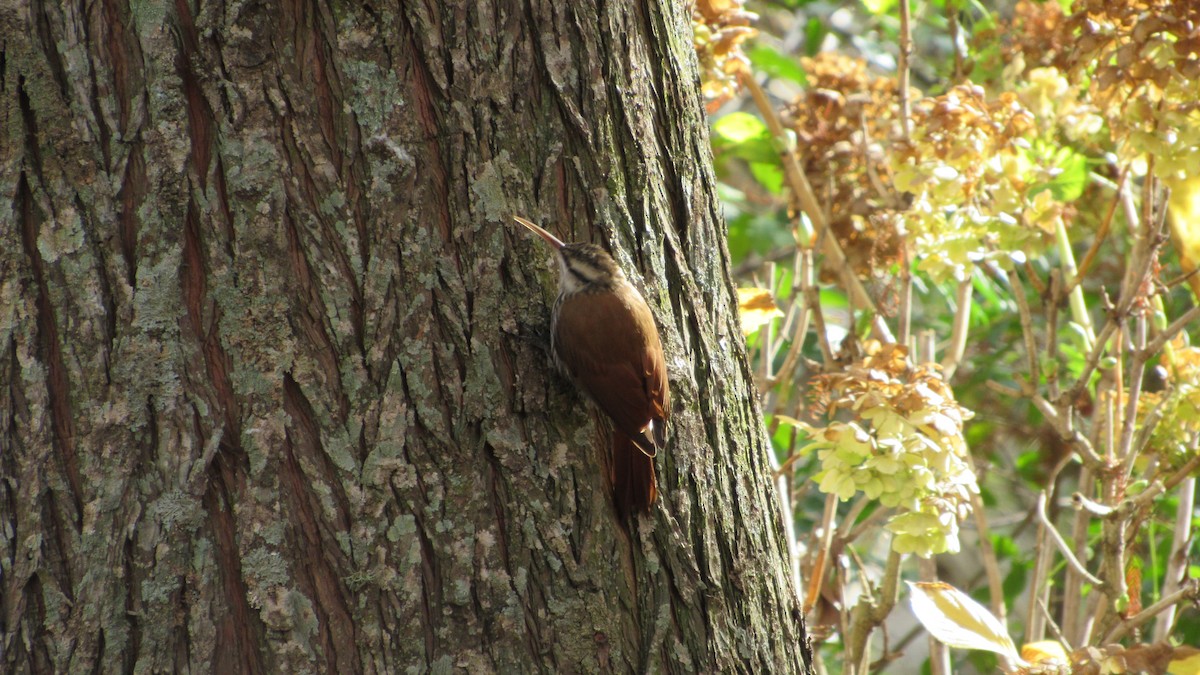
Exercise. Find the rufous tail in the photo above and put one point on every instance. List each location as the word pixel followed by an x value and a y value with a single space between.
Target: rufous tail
pixel 634 485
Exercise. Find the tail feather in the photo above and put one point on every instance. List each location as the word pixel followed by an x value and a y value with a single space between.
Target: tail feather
pixel 633 481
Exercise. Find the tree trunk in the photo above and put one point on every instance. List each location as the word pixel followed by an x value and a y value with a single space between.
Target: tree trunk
pixel 275 393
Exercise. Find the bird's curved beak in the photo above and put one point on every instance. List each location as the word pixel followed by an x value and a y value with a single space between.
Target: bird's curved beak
pixel 550 239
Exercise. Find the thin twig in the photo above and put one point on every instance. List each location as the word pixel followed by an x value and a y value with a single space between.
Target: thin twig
pixel 956 38
pixel 958 335
pixel 990 564
pixel 1149 183
pixel 1026 327
pixel 1160 341
pixel 791 166
pixel 939 654
pixel 1177 562
pixel 1089 366
pixel 1061 543
pixel 1110 422
pixel 818 572
pixel 1101 235
pixel 1035 626
pixel 1159 487
pixel 1050 308
pixel 767 333
pixel 1190 591
pixel 1073 616
pixel 1148 237
pixel 926 346
pixel 813 298
pixel 1150 422
pixel 1137 371
pixel 871 611
pixel 906 288
pixel 1114 532
pixel 804 273
pixel 1058 634
pixel 1173 282
pixel 867 523
pixel 1004 389
pixel 836 257
pixel 848 522
pixel 888 196
pixel 902 67
pixel 1097 604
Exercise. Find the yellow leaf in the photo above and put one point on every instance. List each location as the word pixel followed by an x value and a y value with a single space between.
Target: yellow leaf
pixel 793 422
pixel 1186 661
pixel 758 308
pixel 1047 652
pixel 1183 213
pixel 956 620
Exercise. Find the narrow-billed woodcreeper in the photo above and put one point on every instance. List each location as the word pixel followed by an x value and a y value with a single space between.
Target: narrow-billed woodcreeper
pixel 602 334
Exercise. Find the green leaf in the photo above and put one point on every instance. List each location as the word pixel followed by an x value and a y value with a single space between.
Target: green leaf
pixel 814 34
pixel 980 432
pixel 770 175
pixel 749 232
pixel 1069 184
pixel 744 135
pixel 740 127
pixel 986 18
pixel 788 439
pixel 992 301
pixel 1029 465
pixel 1005 547
pixel 765 58
pixel 833 299
pixel 1014 582
pixel 879 7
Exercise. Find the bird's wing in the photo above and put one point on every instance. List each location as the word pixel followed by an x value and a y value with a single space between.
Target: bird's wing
pixel 614 354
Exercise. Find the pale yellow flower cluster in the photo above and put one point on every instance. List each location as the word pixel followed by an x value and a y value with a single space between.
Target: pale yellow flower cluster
pixel 904 447
pixel 979 184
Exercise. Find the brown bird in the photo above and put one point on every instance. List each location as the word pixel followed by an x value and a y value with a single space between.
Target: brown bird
pixel 602 334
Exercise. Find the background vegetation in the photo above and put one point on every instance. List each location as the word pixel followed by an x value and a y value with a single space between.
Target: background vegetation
pixel 967 238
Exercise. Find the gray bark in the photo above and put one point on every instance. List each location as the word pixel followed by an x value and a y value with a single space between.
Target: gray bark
pixel 274 393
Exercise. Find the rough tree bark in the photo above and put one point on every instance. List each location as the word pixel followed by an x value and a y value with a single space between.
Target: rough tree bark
pixel 274 389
